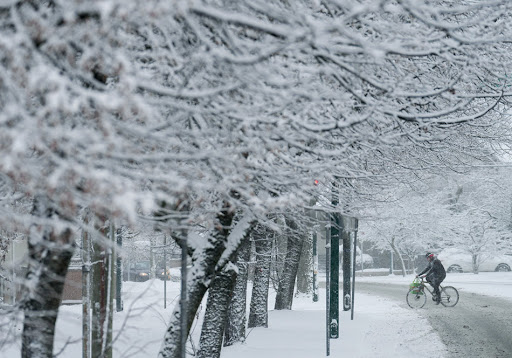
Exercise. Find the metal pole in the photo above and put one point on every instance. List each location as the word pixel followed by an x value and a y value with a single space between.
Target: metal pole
pixel 327 289
pixel 183 302
pixel 335 273
pixel 165 271
pixel 315 268
pixel 119 273
pixel 14 288
pixel 347 258
pixel 354 269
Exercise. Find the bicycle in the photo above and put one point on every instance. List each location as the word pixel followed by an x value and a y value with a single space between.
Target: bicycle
pixel 417 297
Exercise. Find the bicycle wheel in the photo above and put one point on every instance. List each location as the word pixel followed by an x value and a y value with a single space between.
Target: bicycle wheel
pixel 449 296
pixel 416 299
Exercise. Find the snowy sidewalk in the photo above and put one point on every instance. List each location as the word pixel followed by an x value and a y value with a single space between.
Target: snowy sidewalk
pixel 380 329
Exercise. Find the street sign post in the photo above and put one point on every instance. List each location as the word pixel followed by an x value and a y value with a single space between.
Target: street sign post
pixel 334 307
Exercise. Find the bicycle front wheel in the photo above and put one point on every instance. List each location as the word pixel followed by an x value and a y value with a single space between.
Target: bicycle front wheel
pixel 449 296
pixel 416 299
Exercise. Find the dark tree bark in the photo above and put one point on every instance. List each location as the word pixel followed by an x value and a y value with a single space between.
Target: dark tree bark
pixel 284 297
pixel 217 306
pixel 305 270
pixel 215 317
pixel 50 253
pixel 235 325
pixel 204 265
pixel 258 314
pixel 101 317
pixel 278 259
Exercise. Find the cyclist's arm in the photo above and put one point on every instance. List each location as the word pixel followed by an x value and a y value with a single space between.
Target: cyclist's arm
pixel 425 271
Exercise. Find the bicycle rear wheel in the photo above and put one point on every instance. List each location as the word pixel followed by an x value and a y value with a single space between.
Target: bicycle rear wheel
pixel 416 299
pixel 449 296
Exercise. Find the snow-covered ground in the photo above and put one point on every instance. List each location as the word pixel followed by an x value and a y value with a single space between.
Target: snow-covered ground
pixel 381 328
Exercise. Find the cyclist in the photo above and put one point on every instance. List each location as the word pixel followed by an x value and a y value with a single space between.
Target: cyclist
pixel 435 274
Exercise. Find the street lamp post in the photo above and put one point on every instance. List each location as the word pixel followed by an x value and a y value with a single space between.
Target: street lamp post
pixel 334 308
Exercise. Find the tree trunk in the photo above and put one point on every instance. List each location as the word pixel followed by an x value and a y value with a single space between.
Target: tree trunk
pixel 475 263
pixel 219 301
pixel 102 292
pixel 258 313
pixel 204 264
pixel 279 250
pixel 284 298
pixel 215 317
pixel 50 253
pixel 304 276
pixel 97 277
pixel 86 290
pixel 397 252
pixel 235 325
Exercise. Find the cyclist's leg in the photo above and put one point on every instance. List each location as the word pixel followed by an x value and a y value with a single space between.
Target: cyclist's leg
pixel 435 283
pixel 431 281
pixel 440 279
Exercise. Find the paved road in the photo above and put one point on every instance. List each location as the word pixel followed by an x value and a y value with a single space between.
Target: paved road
pixel 477 327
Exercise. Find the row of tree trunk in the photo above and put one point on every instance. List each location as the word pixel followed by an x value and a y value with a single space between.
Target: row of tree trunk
pixel 224 278
pixel 225 316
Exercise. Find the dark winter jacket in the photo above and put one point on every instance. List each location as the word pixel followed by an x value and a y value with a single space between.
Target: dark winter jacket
pixel 434 269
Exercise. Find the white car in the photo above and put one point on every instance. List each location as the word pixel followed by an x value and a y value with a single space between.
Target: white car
pixel 456 260
pixel 367 261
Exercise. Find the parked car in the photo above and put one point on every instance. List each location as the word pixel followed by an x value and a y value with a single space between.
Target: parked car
pixel 366 259
pixel 456 260
pixel 138 271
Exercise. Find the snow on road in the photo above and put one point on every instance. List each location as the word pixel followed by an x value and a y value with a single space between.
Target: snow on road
pixel 478 327
pixel 495 284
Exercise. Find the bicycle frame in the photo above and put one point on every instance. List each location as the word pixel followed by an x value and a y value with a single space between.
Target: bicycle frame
pixel 423 285
pixel 416 296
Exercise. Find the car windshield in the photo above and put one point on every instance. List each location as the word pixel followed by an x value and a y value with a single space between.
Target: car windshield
pixel 142 265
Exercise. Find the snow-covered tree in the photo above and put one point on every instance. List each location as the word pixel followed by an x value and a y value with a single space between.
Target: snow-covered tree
pixel 187 112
